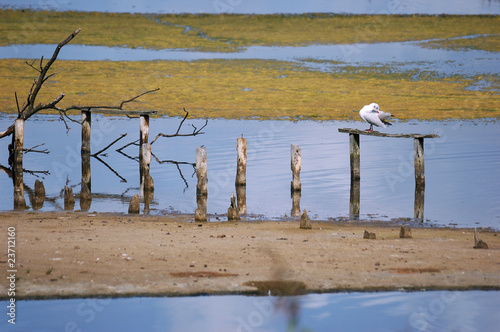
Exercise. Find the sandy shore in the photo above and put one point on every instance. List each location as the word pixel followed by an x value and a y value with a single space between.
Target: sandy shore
pixel 82 254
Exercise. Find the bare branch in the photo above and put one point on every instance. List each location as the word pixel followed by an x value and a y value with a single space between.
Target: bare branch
pixel 142 94
pixel 195 132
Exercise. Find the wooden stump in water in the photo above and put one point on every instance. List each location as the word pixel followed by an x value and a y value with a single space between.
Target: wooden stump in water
pixel 405 232
pixel 305 222
pixel 233 212
pixel 134 206
pixel 69 199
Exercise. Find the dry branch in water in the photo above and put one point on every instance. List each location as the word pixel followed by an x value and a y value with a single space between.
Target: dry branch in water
pixel 195 132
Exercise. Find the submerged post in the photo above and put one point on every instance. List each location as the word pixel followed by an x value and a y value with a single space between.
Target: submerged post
pixel 418 143
pixel 354 155
pixel 295 165
pixel 86 119
pixel 241 169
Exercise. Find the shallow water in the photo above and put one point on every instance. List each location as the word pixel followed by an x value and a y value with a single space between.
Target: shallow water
pixel 463 7
pixel 398 56
pixel 461 168
pixel 391 311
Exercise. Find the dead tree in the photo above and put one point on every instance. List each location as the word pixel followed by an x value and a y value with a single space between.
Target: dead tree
pixel 30 106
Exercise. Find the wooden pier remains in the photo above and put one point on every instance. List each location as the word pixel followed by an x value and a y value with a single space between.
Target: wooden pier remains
pixel 354 150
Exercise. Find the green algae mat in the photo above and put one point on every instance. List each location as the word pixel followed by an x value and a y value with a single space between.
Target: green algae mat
pixel 265 89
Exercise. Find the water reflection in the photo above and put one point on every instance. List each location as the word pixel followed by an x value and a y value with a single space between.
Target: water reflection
pixel 400 56
pixel 459 186
pixel 382 311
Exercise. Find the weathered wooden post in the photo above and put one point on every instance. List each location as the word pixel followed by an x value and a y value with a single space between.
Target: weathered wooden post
pixel 295 165
pixel 241 169
pixel 354 154
pixel 354 199
pixel 18 140
pixel 418 143
pixel 200 213
pixel 241 174
pixel 86 120
pixel 144 128
pixel 201 171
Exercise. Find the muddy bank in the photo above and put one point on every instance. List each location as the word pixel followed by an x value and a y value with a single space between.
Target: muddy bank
pixel 81 254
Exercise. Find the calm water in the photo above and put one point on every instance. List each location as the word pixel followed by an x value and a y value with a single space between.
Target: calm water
pixel 461 168
pixel 400 57
pixel 392 311
pixel 464 7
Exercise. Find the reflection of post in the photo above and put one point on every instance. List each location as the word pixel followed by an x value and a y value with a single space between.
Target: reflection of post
pixel 145 162
pixel 354 154
pixel 418 143
pixel 201 188
pixel 419 201
pixel 241 174
pixel 295 165
pixel 147 183
pixel 86 186
pixel 19 200
pixel 295 203
pixel 354 200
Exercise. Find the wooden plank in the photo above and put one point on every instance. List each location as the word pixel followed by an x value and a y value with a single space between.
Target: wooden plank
pixel 379 134
pixel 122 112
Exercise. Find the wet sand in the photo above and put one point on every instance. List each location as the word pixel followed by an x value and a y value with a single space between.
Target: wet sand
pixel 74 254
